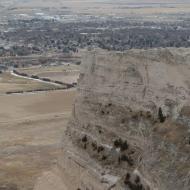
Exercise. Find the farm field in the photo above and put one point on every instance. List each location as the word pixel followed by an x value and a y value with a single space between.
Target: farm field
pixel 64 73
pixel 68 73
pixel 10 83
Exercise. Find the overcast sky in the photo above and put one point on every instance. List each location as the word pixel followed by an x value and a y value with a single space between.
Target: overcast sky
pixel 153 1
pixel 127 1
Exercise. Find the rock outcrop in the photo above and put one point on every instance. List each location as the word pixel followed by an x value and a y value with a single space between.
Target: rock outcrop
pixel 130 127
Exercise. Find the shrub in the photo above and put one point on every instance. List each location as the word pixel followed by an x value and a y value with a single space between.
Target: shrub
pixel 94 145
pixel 127 159
pixel 34 77
pixel 84 139
pixel 127 178
pixel 104 157
pixel 117 143
pixel 124 157
pixel 137 179
pixel 100 149
pixel 102 112
pixel 46 79
pixel 161 117
pixel 123 121
pixel 124 146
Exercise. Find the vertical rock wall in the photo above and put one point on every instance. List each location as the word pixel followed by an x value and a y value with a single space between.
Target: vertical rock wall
pixel 131 122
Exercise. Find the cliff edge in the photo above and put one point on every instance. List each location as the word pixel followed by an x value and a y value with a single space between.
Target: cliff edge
pixel 130 127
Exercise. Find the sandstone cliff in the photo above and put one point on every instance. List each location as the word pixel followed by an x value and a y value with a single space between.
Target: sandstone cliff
pixel 131 122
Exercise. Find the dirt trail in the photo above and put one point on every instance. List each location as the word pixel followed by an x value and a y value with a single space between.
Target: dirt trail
pixel 30 78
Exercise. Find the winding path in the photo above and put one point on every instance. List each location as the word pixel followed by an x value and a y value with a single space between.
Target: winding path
pixel 38 80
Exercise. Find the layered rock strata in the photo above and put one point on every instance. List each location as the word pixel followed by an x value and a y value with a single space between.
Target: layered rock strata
pixel 130 127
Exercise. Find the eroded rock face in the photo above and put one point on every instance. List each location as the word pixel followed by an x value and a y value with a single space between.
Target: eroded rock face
pixel 131 124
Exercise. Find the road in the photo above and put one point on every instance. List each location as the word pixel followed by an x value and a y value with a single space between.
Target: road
pixel 30 78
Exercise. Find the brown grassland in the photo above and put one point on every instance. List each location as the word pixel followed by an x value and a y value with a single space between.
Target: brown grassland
pixel 31 131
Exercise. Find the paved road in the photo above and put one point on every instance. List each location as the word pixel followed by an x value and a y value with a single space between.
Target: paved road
pixel 30 78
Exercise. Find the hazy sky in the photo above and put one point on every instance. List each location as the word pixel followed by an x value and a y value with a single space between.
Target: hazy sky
pixel 127 1
pixel 152 1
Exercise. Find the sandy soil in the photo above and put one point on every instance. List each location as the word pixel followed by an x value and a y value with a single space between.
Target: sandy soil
pixel 31 129
pixel 50 180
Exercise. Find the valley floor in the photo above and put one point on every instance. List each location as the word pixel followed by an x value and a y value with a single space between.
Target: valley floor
pixel 31 128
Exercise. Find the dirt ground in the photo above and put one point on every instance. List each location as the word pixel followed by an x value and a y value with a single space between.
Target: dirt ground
pixel 31 129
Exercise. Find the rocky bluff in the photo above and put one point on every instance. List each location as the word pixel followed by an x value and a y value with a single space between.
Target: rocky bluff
pixel 130 127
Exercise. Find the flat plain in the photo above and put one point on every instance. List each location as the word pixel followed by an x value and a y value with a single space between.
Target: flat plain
pixel 31 133
pixel 65 73
pixel 101 8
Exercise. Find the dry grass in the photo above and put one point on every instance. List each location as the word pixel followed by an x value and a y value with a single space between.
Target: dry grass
pixel 63 73
pixel 11 83
pixel 31 129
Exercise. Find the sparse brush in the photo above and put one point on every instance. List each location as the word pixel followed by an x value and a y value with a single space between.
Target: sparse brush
pixel 124 146
pixel 104 157
pixel 161 117
pixel 100 149
pixel 84 139
pixel 118 142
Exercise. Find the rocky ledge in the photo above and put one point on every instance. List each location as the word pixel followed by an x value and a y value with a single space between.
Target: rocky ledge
pixel 130 127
